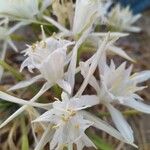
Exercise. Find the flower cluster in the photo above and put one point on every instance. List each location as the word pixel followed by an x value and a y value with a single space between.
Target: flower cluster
pixel 65 120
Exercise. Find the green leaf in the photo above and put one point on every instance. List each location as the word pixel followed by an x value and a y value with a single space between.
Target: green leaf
pixel 25 141
pixel 100 143
pixel 12 70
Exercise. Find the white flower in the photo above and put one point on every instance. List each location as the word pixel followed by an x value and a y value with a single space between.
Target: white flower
pixel 68 123
pixel 118 86
pixel 121 19
pixel 50 57
pixel 87 12
pixel 19 8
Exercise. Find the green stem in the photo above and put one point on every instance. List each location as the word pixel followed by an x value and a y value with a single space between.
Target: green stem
pixel 13 71
pixel 25 141
pixel 57 91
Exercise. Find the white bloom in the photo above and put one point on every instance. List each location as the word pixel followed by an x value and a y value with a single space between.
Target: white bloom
pixel 68 123
pixel 118 86
pixel 87 12
pixel 19 8
pixel 50 57
pixel 122 19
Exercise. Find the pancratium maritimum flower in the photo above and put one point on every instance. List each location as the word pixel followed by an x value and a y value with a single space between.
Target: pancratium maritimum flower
pixel 49 56
pixel 122 19
pixel 67 123
pixel 22 9
pixel 117 86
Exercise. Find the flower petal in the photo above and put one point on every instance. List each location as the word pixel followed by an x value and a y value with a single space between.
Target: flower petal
pixel 120 52
pixel 47 136
pixel 121 124
pixel 52 69
pixel 138 105
pixel 9 98
pixel 65 86
pixel 141 76
pixel 45 87
pixel 100 124
pixel 83 102
pixel 25 83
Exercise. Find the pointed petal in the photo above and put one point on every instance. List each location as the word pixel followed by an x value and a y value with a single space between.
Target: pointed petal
pixel 52 68
pixel 93 82
pixel 138 105
pixel 46 137
pixel 65 86
pixel 10 42
pixel 17 26
pixel 141 76
pixel 112 34
pixel 45 87
pixel 13 99
pixel 120 52
pixel 102 125
pixel 25 83
pixel 94 64
pixel 121 124
pixel 83 102
pixel 56 24
pixel 72 65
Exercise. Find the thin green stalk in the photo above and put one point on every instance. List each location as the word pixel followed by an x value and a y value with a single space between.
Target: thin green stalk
pixel 13 71
pixel 57 91
pixel 25 141
pixel 100 143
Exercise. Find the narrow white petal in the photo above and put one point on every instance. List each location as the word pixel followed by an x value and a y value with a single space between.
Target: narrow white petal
pixel 45 87
pixel 9 98
pixel 65 86
pixel 112 34
pixel 46 137
pixel 93 66
pixel 72 66
pixel 56 24
pixel 15 27
pixel 88 100
pixel 10 42
pixel 136 17
pixel 93 82
pixel 120 52
pixel 100 124
pixel 141 76
pixel 133 29
pixel 55 62
pixel 121 124
pixel 46 117
pixel 14 115
pixel 25 83
pixel 138 105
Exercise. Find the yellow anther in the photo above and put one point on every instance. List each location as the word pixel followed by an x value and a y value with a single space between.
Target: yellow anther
pixel 77 126
pixel 43 44
pixel 55 126
pixel 33 47
pixel 65 119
